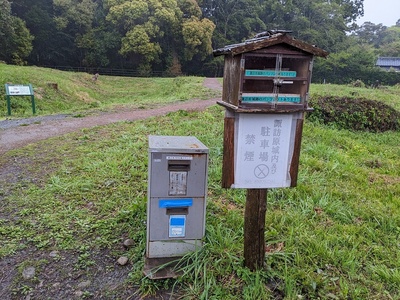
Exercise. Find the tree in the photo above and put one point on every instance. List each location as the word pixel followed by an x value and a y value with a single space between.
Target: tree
pixel 356 62
pixel 176 36
pixel 5 19
pixel 15 38
pixel 235 20
pixel 73 19
pixel 99 46
pixel 101 42
pixel 370 33
pixel 160 33
pixel 75 14
pixel 385 39
pixel 390 50
pixel 319 22
pixel 390 45
pixel 21 42
pixel 39 20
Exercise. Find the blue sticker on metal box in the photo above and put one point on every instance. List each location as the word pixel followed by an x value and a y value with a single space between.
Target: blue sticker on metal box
pixel 175 203
pixel 177 226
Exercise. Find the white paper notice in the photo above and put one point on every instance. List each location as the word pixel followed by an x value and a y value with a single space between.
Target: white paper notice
pixel 177 183
pixel 262 150
pixel 19 90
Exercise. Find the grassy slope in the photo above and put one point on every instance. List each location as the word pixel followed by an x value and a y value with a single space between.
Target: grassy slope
pixel 77 92
pixel 335 236
pixel 388 95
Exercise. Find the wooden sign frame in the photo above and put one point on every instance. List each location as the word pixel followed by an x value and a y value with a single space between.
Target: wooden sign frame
pixel 230 159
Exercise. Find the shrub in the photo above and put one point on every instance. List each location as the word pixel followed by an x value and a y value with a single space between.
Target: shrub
pixel 354 114
pixel 358 83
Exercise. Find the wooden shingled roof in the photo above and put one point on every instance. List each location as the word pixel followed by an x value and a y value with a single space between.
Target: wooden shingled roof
pixel 268 39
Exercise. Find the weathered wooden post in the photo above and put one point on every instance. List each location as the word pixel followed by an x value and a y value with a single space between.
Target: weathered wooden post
pixel 265 94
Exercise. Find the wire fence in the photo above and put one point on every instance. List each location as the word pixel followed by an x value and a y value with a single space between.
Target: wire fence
pixel 111 71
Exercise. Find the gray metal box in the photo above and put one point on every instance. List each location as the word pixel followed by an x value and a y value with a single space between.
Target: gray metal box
pixel 177 187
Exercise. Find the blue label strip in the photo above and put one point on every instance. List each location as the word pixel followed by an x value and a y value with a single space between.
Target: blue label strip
pixel 175 203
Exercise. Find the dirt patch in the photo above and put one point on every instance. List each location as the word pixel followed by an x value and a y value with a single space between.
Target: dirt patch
pixel 33 273
pixel 54 275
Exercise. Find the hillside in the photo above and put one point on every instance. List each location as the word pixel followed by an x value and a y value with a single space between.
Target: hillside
pixel 78 92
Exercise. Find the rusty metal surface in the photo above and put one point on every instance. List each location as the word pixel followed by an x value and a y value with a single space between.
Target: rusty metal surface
pixel 180 144
pixel 161 268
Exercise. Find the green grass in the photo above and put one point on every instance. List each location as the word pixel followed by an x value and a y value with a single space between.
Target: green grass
pixel 334 236
pixel 77 92
pixel 385 94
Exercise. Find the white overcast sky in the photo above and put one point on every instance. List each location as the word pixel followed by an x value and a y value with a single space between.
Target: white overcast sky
pixel 386 12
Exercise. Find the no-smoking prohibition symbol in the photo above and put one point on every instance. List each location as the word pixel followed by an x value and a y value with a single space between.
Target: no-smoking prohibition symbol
pixel 261 171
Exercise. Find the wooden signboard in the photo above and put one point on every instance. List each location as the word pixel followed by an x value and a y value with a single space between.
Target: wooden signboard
pixel 265 93
pixel 263 150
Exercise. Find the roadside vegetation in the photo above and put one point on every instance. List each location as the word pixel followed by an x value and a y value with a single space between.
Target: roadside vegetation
pixel 357 109
pixel 77 93
pixel 334 236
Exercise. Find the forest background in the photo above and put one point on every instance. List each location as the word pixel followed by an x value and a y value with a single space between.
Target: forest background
pixel 176 37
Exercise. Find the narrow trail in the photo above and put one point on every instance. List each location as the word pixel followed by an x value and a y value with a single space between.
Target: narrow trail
pixel 40 128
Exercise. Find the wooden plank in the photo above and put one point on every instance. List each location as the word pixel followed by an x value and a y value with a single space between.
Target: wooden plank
pixel 270 41
pixel 265 108
pixel 282 49
pixel 231 84
pixel 254 227
pixel 228 161
pixel 294 165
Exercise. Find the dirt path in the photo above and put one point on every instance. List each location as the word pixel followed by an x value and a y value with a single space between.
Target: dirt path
pixel 14 136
